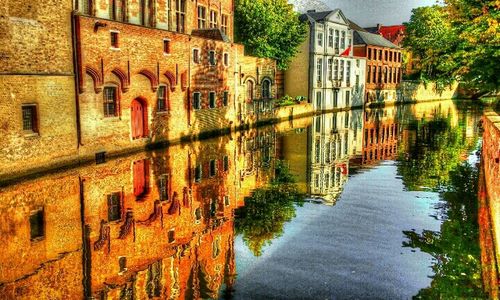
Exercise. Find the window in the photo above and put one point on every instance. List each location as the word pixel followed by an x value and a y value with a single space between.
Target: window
pixel 88 7
pixel 197 214
pixel 115 11
pixel 320 39
pixel 37 224
pixel 114 39
pixel 197 173
pixel 225 98
pixel 226 200
pixel 226 59
pixel 250 90
pixel 369 53
pixel 337 41
pixel 334 121
pixel 110 101
pixel 211 100
pixel 318 124
pixel 212 168
pixel 341 77
pixel 162 98
pixel 357 82
pixel 180 15
pixel 213 19
pixel 319 69
pixel 266 89
pixel 348 71
pixel 202 17
pixel 122 263
pixel 346 120
pixel 330 68
pixel 166 46
pixel 225 21
pixel 335 69
pixel 30 119
pixel 318 100
pixel 171 235
pixel 196 56
pixel 330 37
pixel 211 58
pixel 163 187
pixel 197 100
pixel 369 74
pixel 342 41
pixel 347 98
pixel 114 206
pixel 225 163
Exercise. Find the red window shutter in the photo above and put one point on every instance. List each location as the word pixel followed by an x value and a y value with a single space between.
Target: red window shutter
pixel 139 178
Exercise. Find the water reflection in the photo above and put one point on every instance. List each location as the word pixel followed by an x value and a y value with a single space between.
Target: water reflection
pixel 163 224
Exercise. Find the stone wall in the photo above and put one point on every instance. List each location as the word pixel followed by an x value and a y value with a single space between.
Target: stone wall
pixel 491 170
pixel 410 91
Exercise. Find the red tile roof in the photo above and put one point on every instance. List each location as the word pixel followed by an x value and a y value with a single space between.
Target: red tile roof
pixel 394 33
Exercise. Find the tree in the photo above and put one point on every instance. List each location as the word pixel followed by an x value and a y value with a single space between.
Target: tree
pixel 431 37
pixel 458 41
pixel 269 28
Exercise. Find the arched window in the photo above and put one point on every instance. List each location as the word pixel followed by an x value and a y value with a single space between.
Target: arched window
pixel 110 101
pixel 266 89
pixel 250 90
pixel 163 101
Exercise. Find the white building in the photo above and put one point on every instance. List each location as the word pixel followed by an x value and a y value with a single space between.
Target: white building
pixel 333 141
pixel 325 70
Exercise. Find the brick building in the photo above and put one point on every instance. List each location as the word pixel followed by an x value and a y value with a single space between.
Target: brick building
pixel 37 87
pixel 383 65
pixel 116 76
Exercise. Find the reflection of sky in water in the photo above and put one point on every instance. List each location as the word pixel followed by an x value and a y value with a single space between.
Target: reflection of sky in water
pixel 354 248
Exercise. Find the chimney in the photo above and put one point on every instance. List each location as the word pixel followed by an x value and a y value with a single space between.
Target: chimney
pixel 311 11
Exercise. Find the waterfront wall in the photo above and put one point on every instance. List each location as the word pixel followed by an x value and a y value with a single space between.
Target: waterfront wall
pixel 491 192
pixel 411 91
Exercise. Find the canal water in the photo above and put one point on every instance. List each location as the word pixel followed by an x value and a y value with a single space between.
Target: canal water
pixel 375 204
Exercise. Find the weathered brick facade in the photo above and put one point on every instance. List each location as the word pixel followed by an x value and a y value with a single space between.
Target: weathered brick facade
pixel 36 72
pixel 101 83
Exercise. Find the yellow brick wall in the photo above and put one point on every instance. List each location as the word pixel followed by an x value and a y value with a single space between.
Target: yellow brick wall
pixel 297 75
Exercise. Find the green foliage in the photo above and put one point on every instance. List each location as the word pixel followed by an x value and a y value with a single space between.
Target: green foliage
pixel 288 100
pixel 269 28
pixel 455 248
pixel 268 209
pixel 458 41
pixel 435 151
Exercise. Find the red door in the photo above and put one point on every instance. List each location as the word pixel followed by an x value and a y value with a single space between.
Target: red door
pixel 138 119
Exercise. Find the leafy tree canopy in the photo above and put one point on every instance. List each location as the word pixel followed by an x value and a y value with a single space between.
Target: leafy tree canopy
pixel 269 28
pixel 458 41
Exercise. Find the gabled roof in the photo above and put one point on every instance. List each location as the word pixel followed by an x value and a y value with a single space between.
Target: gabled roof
pixel 321 16
pixel 366 38
pixel 213 34
pixel 363 37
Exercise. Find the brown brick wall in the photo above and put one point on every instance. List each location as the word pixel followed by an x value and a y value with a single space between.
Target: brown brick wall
pixel 36 38
pixel 56 142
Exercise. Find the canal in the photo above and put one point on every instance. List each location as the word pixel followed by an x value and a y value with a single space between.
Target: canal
pixel 375 204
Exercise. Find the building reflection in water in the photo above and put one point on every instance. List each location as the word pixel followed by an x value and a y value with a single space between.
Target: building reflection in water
pixel 161 224
pixel 157 224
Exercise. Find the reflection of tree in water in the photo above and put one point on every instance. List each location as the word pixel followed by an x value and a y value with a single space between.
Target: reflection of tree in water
pixel 434 149
pixel 262 218
pixel 455 248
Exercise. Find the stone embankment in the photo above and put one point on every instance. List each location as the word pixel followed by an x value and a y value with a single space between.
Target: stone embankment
pixel 489 196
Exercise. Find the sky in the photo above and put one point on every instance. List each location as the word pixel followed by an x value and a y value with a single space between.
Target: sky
pixel 371 12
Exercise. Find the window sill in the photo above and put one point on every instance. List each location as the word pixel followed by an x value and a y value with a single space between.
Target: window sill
pixel 167 54
pixel 163 112
pixel 37 239
pixel 31 134
pixel 114 49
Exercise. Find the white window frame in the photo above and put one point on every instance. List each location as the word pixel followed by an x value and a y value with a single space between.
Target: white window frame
pixel 199 55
